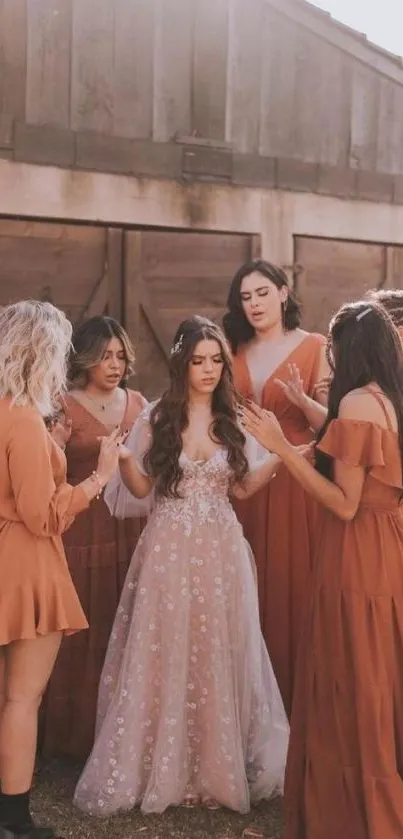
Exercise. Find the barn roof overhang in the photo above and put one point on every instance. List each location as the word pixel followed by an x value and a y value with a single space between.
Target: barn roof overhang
pixel 356 44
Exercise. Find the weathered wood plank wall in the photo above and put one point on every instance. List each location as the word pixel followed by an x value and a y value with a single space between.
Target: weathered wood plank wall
pixel 48 63
pixel 13 57
pixel 248 74
pixel 334 272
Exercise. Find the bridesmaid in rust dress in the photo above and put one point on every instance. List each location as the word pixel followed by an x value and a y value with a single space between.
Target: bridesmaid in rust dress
pixel 38 603
pixel 262 325
pixel 98 546
pixel 344 777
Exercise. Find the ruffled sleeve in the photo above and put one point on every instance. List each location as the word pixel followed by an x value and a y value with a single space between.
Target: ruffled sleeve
pixel 122 504
pixel 256 454
pixel 360 443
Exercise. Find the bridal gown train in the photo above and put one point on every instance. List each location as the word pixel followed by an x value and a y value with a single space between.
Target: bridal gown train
pixel 188 701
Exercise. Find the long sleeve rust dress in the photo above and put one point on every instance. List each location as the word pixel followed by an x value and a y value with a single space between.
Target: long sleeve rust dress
pixel 37 595
pixel 98 549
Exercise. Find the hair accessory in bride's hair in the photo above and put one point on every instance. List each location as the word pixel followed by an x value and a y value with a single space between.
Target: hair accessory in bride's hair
pixel 178 346
pixel 361 315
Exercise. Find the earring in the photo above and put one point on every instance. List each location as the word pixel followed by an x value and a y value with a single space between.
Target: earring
pixel 283 311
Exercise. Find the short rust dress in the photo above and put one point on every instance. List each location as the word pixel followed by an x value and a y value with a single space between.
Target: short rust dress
pixel 37 596
pixel 344 776
pixel 279 521
pixel 98 549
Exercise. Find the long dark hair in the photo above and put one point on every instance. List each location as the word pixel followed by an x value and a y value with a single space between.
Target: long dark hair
pixel 363 347
pixel 169 417
pixel 90 340
pixel 236 325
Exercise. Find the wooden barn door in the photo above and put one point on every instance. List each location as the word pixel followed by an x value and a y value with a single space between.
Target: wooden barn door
pixel 330 272
pixel 169 276
pixel 78 268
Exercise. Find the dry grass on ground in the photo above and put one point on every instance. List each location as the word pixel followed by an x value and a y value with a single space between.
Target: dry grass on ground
pixel 52 804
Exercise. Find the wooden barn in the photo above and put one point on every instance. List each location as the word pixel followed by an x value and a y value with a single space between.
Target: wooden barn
pixel 148 147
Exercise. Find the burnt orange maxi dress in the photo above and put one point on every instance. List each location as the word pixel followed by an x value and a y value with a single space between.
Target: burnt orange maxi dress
pixel 98 549
pixel 37 596
pixel 344 777
pixel 279 521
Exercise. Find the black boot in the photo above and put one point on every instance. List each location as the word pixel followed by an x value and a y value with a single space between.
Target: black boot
pixel 14 812
pixel 16 820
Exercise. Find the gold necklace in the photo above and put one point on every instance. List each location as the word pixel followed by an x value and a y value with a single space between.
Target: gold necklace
pixel 101 406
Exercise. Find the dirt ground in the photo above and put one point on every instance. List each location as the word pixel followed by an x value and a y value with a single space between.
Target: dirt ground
pixel 52 797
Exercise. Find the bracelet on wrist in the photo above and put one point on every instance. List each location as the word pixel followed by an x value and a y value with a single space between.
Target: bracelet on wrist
pixel 98 481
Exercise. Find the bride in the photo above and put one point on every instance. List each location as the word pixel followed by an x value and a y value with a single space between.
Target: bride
pixel 189 711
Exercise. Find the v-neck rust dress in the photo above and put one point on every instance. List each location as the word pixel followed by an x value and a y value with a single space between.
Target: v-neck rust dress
pixel 279 521
pixel 98 549
pixel 344 777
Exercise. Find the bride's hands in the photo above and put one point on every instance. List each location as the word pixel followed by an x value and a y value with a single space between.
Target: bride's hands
pixel 264 427
pixel 124 453
pixel 112 449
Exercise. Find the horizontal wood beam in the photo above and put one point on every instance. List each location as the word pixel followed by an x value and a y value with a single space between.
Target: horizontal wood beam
pixel 160 160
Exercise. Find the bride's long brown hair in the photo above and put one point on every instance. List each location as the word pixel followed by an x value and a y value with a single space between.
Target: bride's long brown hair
pixel 169 417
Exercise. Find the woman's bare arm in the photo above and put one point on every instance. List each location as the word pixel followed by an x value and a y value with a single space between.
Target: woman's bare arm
pixel 342 495
pixel 138 484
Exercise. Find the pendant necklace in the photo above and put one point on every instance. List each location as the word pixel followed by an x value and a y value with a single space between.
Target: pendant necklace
pixel 102 406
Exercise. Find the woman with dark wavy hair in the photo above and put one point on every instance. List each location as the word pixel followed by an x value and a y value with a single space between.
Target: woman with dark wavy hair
pixel 189 710
pixel 345 765
pixel 279 365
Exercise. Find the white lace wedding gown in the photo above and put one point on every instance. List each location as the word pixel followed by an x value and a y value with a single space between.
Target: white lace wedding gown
pixel 188 701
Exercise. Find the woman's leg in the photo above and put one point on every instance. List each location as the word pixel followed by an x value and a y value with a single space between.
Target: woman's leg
pixel 2 679
pixel 27 668
pixel 2 685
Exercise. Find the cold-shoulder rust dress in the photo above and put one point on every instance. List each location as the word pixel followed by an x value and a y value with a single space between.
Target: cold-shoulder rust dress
pixel 279 521
pixel 37 596
pixel 98 549
pixel 344 775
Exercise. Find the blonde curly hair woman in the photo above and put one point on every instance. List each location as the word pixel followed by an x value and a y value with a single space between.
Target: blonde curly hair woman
pixel 38 602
